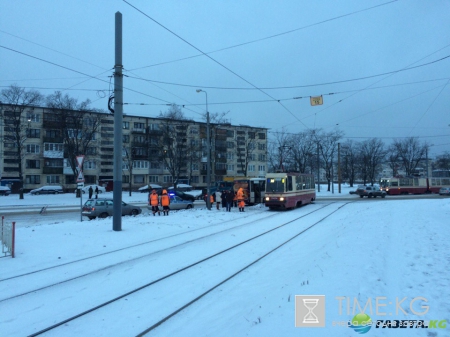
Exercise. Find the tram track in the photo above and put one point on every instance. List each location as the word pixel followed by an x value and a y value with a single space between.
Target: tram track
pixel 187 267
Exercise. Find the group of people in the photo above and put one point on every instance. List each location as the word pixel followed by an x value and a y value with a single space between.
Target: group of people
pixel 228 198
pixel 155 201
pixel 91 191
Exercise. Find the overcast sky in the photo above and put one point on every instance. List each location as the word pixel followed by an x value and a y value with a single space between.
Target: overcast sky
pixel 382 67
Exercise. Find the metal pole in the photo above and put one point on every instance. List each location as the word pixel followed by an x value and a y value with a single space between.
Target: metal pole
pixel 318 169
pixel 339 167
pixel 118 121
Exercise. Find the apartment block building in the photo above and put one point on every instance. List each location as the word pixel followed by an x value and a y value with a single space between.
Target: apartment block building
pixel 38 145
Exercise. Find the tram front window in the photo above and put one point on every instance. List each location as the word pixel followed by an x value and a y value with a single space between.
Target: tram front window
pixel 384 183
pixel 275 185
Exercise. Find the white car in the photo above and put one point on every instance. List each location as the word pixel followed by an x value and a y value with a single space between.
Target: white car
pixel 85 189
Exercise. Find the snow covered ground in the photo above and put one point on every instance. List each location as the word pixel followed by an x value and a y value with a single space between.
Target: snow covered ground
pixel 390 256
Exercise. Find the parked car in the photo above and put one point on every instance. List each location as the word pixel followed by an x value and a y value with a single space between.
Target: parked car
pixel 4 190
pixel 85 189
pixel 444 191
pixel 148 188
pixel 354 192
pixel 182 187
pixel 370 191
pixel 103 207
pixel 177 203
pixel 182 195
pixel 48 189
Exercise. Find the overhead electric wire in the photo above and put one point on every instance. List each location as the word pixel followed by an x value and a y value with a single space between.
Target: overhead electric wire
pixel 79 72
pixel 214 60
pixel 271 36
pixel 295 86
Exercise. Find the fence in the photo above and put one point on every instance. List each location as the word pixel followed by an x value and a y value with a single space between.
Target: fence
pixel 7 237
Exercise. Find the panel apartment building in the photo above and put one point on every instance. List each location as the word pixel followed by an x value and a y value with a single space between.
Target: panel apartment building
pixel 155 150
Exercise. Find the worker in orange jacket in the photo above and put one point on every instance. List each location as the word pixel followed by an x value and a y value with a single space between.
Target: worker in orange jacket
pixel 165 202
pixel 153 200
pixel 240 199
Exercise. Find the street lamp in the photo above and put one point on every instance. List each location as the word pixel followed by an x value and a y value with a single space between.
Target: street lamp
pixel 208 154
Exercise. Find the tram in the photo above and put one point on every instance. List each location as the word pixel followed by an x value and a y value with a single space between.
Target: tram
pixel 413 185
pixel 289 190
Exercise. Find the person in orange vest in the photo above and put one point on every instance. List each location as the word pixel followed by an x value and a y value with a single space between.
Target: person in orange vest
pixel 240 199
pixel 153 200
pixel 165 202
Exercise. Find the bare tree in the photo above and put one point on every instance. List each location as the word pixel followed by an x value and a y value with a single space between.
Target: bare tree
pixel 173 112
pixel 328 148
pixel 76 122
pixel 20 104
pixel 443 162
pixel 411 152
pixel 373 154
pixel 172 147
pixel 393 159
pixel 246 144
pixel 303 147
pixel 349 161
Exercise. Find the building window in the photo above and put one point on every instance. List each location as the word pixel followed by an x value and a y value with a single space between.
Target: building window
pixel 221 166
pixel 140 164
pixel 34 133
pixel 251 135
pixel 89 164
pixel 230 167
pixel 53 147
pixel 52 133
pixel 139 126
pixel 262 168
pixel 252 156
pixel 33 148
pixel 168 179
pixel 193 131
pixel 53 163
pixel 32 117
pixel 91 151
pixel 126 138
pixel 230 155
pixel 138 179
pixel 52 179
pixel 251 168
pixel 230 133
pixel 126 179
pixel 155 165
pixel 194 180
pixel 261 135
pixel 154 126
pixel 153 179
pixel 261 146
pixel 33 164
pixel 194 167
pixel 33 179
pixel 73 133
pixel 126 125
pixel 262 157
pixel 230 145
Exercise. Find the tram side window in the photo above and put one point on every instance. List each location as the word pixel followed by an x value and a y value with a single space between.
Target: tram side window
pixel 307 182
pixel 289 183
pixel 394 183
pixel 298 184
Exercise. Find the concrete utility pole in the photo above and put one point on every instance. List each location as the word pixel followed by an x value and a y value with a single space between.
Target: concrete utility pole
pixel 118 121
pixel 208 155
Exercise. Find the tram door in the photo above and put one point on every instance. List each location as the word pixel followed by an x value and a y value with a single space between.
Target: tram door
pixel 257 191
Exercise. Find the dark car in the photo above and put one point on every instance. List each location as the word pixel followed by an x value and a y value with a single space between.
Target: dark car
pixel 103 208
pixel 182 195
pixel 48 189
pixel 370 191
pixel 5 190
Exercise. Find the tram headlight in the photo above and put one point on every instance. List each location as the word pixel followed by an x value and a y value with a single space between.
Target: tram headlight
pixel 267 198
pixel 281 198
